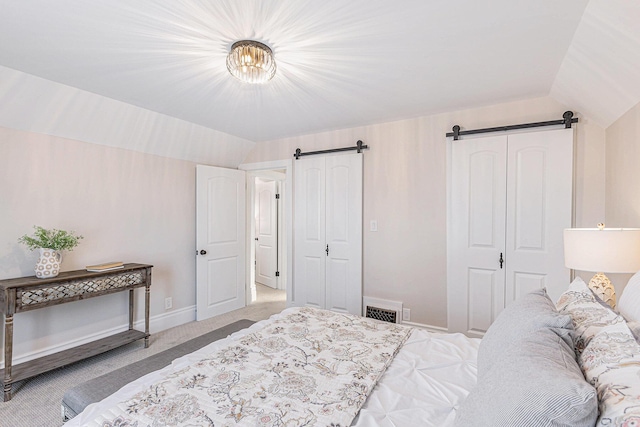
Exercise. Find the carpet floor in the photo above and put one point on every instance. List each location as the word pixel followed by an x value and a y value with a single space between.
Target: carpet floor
pixel 36 401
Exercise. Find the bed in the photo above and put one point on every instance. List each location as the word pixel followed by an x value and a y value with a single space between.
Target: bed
pixel 575 364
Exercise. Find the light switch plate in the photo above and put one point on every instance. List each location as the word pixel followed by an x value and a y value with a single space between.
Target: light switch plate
pixel 373 225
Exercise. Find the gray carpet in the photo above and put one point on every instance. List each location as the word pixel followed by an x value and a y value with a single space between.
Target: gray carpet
pixel 36 401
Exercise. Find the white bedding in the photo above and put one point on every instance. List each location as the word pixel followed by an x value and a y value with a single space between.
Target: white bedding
pixel 425 382
pixel 429 377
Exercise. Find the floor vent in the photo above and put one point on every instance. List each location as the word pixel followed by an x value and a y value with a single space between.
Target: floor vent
pixel 382 314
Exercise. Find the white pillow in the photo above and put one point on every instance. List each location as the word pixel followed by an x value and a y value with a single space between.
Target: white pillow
pixel 629 301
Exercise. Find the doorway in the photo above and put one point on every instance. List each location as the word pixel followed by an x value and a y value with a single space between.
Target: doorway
pixel 263 253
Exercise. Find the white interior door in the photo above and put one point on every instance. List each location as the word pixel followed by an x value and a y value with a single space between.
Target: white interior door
pixel 328 233
pixel 539 193
pixel 309 232
pixel 266 232
pixel 220 240
pixel 477 233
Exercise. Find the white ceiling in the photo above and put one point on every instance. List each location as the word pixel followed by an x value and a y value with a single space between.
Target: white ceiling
pixel 341 63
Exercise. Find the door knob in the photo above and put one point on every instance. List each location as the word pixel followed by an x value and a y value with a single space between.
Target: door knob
pixel 203 252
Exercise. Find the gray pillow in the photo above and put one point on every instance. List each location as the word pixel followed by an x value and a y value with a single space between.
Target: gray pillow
pixel 533 378
pixel 531 312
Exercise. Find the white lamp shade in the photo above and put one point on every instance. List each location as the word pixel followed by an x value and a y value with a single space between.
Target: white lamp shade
pixel 610 250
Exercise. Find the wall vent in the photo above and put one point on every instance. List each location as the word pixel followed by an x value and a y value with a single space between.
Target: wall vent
pixel 380 309
pixel 381 314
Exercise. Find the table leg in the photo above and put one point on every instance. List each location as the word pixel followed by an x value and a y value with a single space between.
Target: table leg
pixel 8 355
pixel 147 294
pixel 130 309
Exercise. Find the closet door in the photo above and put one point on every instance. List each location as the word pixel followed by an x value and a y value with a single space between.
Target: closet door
pixel 477 233
pixel 539 195
pixel 328 233
pixel 309 233
pixel 510 197
pixel 344 233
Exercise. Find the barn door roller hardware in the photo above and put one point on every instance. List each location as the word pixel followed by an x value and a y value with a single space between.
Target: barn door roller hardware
pixel 567 119
pixel 359 147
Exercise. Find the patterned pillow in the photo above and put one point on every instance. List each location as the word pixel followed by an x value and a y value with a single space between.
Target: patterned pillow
pixel 587 314
pixel 611 363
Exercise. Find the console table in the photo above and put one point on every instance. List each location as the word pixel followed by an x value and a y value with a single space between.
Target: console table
pixel 30 293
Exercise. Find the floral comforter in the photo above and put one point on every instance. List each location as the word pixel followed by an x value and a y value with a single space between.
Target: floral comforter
pixel 308 368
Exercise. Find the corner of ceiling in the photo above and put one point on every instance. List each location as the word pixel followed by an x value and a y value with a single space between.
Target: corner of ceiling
pixel 598 75
pixel 34 104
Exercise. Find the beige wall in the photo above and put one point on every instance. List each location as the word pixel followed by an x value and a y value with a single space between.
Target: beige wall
pixel 405 191
pixel 129 206
pixel 140 207
pixel 623 178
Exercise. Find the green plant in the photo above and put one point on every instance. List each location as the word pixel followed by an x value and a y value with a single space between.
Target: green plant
pixel 58 240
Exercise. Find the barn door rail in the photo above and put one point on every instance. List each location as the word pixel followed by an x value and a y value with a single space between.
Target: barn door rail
pixel 567 119
pixel 359 147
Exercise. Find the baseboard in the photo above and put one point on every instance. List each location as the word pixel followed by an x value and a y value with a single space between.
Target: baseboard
pixel 157 323
pixel 168 320
pixel 430 328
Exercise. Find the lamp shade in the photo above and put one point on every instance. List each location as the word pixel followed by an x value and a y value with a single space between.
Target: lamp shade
pixel 607 250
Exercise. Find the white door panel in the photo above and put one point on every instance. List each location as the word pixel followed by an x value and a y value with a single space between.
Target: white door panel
pixel 539 188
pixel 266 232
pixel 522 283
pixel 344 233
pixel 309 232
pixel 481 291
pixel 220 240
pixel 478 185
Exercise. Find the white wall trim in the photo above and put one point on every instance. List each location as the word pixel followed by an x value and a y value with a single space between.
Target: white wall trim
pixel 157 323
pixel 430 328
pixel 168 320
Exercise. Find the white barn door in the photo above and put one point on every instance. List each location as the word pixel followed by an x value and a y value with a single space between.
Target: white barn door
pixel 539 195
pixel 328 233
pixel 309 232
pixel 477 233
pixel 344 233
pixel 220 240
pixel 510 199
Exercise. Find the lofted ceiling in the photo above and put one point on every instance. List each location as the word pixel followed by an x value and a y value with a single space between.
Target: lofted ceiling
pixel 341 63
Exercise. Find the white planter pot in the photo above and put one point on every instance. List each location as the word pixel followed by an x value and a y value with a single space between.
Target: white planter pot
pixel 48 264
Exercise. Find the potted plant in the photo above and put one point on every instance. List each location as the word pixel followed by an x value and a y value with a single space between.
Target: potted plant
pixel 50 243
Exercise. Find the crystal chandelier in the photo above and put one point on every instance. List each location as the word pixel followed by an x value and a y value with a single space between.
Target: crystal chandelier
pixel 251 62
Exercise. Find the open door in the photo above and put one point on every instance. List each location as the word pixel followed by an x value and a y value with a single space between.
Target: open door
pixel 220 240
pixel 266 232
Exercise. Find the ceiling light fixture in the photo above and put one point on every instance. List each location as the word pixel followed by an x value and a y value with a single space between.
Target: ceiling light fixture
pixel 251 62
